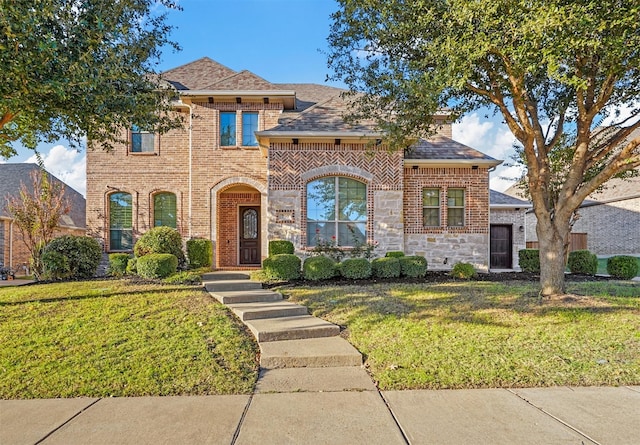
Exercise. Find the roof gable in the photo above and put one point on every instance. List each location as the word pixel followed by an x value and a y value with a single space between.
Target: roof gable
pixel 244 80
pixel 197 75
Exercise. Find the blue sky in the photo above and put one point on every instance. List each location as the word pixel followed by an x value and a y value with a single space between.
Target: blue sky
pixel 279 40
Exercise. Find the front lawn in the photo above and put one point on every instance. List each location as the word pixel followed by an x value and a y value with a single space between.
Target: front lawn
pixel 484 334
pixel 120 338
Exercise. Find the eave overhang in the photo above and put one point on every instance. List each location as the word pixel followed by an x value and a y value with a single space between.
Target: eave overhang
pixel 288 97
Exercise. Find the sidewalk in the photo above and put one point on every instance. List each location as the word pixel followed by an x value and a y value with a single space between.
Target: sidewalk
pixel 486 416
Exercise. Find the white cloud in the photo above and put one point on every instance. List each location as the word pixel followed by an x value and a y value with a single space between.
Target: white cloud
pixel 624 113
pixel 68 165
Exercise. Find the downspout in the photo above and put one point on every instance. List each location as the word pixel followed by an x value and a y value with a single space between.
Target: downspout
pixel 190 166
pixel 11 244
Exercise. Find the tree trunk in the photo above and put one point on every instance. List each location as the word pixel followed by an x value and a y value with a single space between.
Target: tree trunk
pixel 553 251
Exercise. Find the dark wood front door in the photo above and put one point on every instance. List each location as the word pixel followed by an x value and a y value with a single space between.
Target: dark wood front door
pixel 501 247
pixel 249 230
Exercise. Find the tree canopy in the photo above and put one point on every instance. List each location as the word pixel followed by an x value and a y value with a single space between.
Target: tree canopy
pixel 555 70
pixel 81 68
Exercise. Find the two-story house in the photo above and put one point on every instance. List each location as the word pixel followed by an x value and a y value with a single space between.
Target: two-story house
pixel 257 161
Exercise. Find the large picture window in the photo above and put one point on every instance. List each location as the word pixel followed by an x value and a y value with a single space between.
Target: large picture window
pixel 142 141
pixel 120 222
pixel 336 211
pixel 431 207
pixel 164 210
pixel 455 207
pixel 249 127
pixel 228 129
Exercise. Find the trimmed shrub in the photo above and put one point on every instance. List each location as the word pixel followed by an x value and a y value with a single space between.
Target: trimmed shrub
pixel 132 266
pixel 355 268
pixel 463 270
pixel 55 266
pixel 583 261
pixel 413 266
pixel 82 254
pixel 318 268
pixel 160 240
pixel 529 260
pixel 280 246
pixel 394 254
pixel 117 264
pixel 385 267
pixel 185 277
pixel 283 266
pixel 199 252
pixel 157 265
pixel 622 266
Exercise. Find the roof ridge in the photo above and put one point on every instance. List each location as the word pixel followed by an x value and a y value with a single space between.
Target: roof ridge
pixel 204 58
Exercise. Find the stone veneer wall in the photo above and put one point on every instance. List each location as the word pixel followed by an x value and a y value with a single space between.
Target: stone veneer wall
pixel 516 219
pixel 444 246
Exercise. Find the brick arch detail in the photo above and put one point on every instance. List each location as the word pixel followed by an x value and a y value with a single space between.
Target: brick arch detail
pixel 238 180
pixel 337 170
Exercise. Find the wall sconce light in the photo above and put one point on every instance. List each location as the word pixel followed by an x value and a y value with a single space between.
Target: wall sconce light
pixel 211 100
pixel 521 229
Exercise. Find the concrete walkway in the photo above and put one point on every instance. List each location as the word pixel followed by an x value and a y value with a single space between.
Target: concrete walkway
pixel 312 389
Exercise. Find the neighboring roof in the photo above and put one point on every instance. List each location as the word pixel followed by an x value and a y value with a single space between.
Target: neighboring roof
pixel 12 176
pixel 497 199
pixel 441 148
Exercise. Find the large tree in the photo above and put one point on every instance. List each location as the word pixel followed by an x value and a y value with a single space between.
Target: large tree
pixel 555 70
pixel 81 68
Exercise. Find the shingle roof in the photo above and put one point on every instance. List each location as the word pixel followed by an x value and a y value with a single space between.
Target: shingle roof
pixel 197 75
pixel 13 175
pixel 500 199
pixel 441 147
pixel 244 80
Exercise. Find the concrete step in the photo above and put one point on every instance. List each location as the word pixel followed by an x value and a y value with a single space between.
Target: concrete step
pixel 291 328
pixel 267 309
pixel 231 285
pixel 310 352
pixel 352 378
pixel 226 275
pixel 250 296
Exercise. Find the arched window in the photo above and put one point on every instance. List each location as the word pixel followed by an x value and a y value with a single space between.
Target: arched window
pixel 120 222
pixel 336 211
pixel 164 210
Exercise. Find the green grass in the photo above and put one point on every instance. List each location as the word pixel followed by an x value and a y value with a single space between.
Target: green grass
pixel 602 266
pixel 481 334
pixel 120 338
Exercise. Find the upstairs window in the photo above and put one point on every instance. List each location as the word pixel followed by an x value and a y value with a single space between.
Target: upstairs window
pixel 227 129
pixel 164 210
pixel 455 207
pixel 431 207
pixel 142 141
pixel 336 211
pixel 249 127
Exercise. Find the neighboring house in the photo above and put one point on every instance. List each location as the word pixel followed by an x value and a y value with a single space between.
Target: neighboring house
pixel 608 221
pixel 13 251
pixel 258 161
pixel 507 230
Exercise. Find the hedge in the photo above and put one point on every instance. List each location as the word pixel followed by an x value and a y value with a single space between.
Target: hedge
pixel 82 254
pixel 199 252
pixel 413 266
pixel 355 268
pixel 622 266
pixel 463 270
pixel 157 265
pixel 279 246
pixel 583 261
pixel 282 267
pixel 394 254
pixel 318 268
pixel 160 240
pixel 118 264
pixel 385 267
pixel 529 260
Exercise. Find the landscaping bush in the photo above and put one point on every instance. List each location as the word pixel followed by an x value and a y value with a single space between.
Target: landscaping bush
pixel 394 254
pixel 583 261
pixel 160 240
pixel 132 266
pixel 385 267
pixel 413 266
pixel 185 277
pixel 318 268
pixel 55 266
pixel 623 266
pixel 529 260
pixel 355 268
pixel 118 264
pixel 199 252
pixel 157 265
pixel 82 255
pixel 463 270
pixel 280 246
pixel 283 266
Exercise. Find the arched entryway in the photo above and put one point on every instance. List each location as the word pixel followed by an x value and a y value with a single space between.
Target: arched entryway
pixel 240 225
